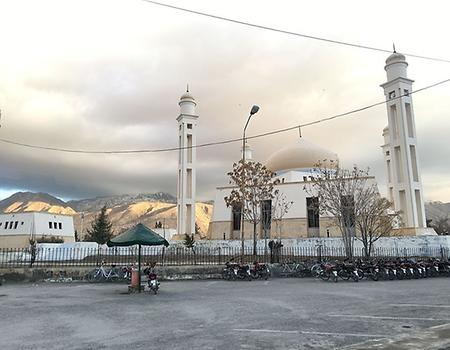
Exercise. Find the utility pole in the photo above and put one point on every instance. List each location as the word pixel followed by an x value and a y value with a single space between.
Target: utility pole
pixel 164 247
pixel 81 228
pixel 164 227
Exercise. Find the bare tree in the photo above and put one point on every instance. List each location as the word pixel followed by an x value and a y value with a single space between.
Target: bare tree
pixel 254 183
pixel 353 202
pixel 374 220
pixel 33 250
pixel 280 207
pixel 442 225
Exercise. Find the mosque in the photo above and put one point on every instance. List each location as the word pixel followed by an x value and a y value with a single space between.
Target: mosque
pixel 294 165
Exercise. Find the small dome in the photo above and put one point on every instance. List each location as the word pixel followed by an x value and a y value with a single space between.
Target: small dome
pixel 396 58
pixel 187 96
pixel 301 155
pixel 396 66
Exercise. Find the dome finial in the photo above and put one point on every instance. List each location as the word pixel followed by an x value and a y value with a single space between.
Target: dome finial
pixel 393 46
pixel 300 131
pixel 187 87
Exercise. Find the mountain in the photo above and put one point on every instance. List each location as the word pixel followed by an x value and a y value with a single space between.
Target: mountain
pixel 95 204
pixel 437 210
pixel 29 201
pixel 124 210
pixel 147 212
pixel 127 210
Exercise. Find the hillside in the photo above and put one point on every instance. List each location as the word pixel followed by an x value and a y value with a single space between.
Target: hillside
pixel 29 201
pixel 147 212
pixel 95 204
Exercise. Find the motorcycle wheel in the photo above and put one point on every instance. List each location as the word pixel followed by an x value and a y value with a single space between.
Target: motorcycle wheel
pixel 335 278
pixel 315 270
pixel 324 276
pixel 226 275
pixel 344 274
pixel 374 276
pixel 360 274
pixel 391 275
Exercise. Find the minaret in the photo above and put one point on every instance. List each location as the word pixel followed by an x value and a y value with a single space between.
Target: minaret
pixel 400 148
pixel 248 152
pixel 187 126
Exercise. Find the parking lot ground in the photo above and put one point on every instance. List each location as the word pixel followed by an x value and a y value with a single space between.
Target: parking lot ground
pixel 274 314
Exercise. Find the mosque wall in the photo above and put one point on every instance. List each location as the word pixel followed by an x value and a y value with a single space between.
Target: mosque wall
pixel 294 223
pixel 284 229
pixel 328 228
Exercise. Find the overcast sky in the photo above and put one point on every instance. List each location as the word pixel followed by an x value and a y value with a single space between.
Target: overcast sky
pixel 108 74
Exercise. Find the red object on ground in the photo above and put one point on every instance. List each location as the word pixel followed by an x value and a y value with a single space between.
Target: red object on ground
pixel 134 278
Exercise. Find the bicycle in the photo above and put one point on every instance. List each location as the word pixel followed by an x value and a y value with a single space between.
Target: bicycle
pixel 101 274
pixel 293 269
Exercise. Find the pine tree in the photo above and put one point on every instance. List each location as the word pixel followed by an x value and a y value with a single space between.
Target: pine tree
pixel 189 242
pixel 101 229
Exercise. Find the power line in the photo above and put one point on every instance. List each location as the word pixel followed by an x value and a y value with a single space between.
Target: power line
pixel 215 143
pixel 248 24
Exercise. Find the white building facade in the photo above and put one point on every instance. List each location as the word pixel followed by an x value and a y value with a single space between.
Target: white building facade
pixel 186 187
pixel 16 229
pixel 404 183
pixel 294 166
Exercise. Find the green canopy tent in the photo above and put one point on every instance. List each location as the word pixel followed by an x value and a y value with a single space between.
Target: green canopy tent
pixel 138 235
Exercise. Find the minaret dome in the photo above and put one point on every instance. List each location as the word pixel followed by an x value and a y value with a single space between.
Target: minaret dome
pixel 187 104
pixel 396 66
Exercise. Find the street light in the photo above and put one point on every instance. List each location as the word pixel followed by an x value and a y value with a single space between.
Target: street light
pixel 253 111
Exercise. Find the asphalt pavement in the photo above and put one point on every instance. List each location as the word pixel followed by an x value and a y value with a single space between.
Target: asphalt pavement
pixel 274 314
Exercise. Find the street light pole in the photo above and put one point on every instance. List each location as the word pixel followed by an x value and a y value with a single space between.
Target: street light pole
pixel 82 222
pixel 253 111
pixel 164 247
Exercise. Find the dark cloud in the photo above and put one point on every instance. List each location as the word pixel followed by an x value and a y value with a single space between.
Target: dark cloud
pixel 116 85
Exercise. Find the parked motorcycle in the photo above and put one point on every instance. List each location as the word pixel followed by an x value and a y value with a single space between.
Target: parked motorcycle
pixel 260 271
pixel 329 271
pixel 126 272
pixel 243 272
pixel 152 280
pixel 233 271
pixel 229 272
pixel 153 283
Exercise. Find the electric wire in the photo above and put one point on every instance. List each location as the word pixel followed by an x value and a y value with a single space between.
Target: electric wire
pixel 215 143
pixel 253 25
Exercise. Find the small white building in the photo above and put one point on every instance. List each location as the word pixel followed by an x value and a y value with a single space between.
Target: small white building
pixel 16 229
